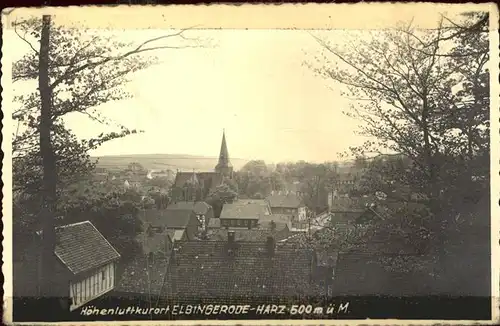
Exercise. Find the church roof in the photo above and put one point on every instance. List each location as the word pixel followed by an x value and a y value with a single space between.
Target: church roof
pixel 208 180
pixel 224 154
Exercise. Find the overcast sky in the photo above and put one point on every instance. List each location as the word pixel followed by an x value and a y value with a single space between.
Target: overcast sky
pixel 252 83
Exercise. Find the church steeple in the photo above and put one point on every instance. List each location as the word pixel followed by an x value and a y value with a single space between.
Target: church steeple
pixel 224 167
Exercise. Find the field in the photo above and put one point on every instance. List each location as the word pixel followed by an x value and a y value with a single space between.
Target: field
pixel 164 162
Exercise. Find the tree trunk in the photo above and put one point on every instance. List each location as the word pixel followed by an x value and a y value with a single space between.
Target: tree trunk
pixel 49 168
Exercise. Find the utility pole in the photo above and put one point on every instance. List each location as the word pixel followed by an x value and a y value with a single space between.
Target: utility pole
pixel 49 167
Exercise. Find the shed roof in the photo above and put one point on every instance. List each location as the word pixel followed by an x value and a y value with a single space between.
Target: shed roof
pixel 81 247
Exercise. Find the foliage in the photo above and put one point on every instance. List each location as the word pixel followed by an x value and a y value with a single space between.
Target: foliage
pixel 87 68
pixel 159 182
pixel 255 180
pixel 424 95
pixel 136 168
pixel 115 214
pixel 223 194
pixel 316 180
pixel 160 197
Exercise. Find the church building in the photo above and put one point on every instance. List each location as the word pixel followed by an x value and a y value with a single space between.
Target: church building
pixel 195 186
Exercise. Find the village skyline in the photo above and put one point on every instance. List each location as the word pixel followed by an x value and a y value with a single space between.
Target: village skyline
pixel 275 126
pixel 168 165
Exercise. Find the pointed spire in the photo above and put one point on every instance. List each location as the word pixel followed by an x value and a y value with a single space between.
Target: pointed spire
pixel 224 154
pixel 224 166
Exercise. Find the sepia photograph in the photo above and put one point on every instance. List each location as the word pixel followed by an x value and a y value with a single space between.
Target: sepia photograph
pixel 246 163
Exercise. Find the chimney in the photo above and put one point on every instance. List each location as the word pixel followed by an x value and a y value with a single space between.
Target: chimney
pixel 270 246
pixel 230 237
pixel 172 267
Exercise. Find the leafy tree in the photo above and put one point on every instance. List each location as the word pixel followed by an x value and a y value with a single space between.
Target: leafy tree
pixel 159 182
pixel 316 180
pixel 253 179
pixel 406 83
pixel 86 69
pixel 160 197
pixel 77 70
pixel 257 167
pixel 116 213
pixel 417 97
pixel 136 168
pixel 221 195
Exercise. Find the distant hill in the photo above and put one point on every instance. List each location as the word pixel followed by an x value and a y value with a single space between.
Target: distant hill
pixel 164 162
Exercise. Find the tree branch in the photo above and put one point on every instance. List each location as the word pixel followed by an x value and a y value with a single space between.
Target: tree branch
pixel 24 37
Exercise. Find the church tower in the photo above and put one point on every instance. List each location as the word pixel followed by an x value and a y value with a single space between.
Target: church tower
pixel 224 167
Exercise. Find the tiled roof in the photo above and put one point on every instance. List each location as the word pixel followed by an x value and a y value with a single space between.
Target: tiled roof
pixel 326 258
pixel 205 269
pixel 154 242
pixel 182 178
pixel 244 210
pixel 200 207
pixel 262 202
pixel 170 219
pixel 282 221
pixel 366 272
pixel 81 247
pixel 209 180
pixel 247 235
pixel 138 278
pixel 214 223
pixel 284 201
pixel 346 204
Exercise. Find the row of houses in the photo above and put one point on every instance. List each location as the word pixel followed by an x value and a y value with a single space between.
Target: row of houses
pixel 255 248
pixel 254 230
